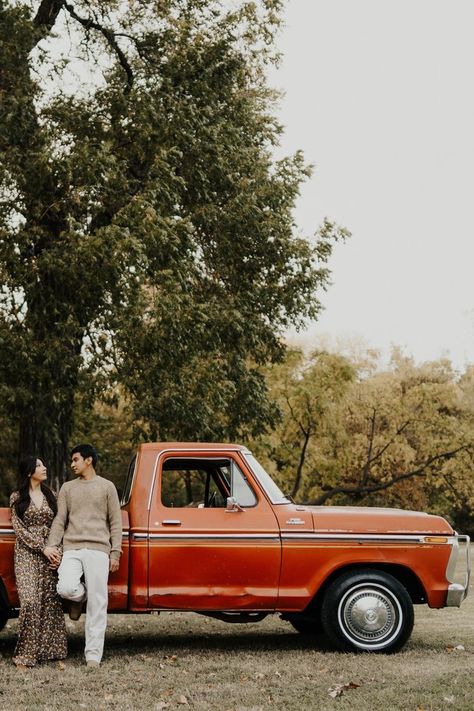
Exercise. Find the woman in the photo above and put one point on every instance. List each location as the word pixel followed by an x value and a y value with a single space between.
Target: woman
pixel 42 630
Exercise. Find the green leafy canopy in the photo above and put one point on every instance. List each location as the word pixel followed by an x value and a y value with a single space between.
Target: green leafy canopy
pixel 147 239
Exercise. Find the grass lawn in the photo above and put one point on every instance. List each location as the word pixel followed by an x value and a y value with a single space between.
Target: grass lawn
pixel 179 661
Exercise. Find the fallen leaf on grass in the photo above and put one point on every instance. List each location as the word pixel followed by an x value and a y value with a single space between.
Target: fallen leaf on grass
pixel 161 705
pixel 182 699
pixel 277 673
pixel 449 699
pixel 172 658
pixel 338 689
pixel 61 666
pixel 108 697
pixel 259 675
pixel 455 648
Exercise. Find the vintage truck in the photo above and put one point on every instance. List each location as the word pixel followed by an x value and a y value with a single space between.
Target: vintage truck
pixel 206 529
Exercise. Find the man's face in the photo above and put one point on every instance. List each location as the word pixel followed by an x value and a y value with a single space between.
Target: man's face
pixel 79 464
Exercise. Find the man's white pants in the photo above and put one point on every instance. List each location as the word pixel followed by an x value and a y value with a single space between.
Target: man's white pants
pixel 94 566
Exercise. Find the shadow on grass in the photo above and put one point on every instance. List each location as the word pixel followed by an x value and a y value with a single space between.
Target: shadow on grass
pixel 248 642
pixel 137 643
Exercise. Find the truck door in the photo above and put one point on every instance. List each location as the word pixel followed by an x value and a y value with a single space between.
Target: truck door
pixel 204 554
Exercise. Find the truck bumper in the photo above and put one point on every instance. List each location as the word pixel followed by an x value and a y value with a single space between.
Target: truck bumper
pixel 458 571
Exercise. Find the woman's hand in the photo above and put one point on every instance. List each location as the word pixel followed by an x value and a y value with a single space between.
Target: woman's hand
pixel 53 555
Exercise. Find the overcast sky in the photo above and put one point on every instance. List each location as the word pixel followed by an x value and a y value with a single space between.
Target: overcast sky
pixel 379 95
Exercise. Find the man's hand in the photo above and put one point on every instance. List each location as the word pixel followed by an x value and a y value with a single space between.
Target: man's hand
pixel 114 565
pixel 53 555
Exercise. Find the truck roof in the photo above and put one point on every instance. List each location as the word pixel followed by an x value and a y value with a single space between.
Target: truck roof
pixel 205 446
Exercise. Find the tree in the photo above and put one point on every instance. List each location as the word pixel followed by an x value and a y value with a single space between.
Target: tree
pixel 309 392
pixel 146 232
pixel 401 436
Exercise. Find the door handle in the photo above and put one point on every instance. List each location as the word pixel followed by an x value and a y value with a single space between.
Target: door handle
pixel 171 522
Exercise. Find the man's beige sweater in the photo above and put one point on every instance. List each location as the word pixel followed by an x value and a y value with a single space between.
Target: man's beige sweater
pixel 88 516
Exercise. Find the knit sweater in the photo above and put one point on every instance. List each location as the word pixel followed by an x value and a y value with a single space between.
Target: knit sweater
pixel 88 516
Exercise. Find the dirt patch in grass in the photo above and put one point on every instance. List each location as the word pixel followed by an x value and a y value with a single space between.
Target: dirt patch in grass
pixel 178 661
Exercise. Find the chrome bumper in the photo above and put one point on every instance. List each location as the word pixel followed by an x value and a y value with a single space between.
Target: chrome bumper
pixel 458 571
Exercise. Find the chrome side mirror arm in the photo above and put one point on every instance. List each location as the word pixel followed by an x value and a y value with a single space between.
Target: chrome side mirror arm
pixel 232 505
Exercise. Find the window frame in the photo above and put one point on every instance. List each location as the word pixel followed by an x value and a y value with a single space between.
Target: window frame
pixel 210 477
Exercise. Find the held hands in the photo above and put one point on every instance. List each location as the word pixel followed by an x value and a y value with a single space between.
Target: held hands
pixel 53 555
pixel 114 565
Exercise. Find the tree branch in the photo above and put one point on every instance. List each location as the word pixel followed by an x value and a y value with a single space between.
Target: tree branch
pixel 47 14
pixel 299 471
pixel 367 465
pixel 383 449
pixel 110 36
pixel 372 488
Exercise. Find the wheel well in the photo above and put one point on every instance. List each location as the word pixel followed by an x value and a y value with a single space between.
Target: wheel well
pixel 404 575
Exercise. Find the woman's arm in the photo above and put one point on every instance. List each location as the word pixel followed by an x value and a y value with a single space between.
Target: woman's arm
pixel 34 541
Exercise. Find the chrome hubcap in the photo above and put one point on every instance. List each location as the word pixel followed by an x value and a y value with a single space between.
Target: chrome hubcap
pixel 370 616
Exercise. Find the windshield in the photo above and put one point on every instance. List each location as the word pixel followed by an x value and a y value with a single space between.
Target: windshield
pixel 273 492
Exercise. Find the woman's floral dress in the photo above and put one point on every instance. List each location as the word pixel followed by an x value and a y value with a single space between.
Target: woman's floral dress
pixel 42 630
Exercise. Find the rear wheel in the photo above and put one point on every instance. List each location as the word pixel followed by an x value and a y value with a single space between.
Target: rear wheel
pixel 310 626
pixel 5 612
pixel 4 616
pixel 367 610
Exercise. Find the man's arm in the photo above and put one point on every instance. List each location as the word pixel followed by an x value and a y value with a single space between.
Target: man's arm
pixel 114 515
pixel 59 523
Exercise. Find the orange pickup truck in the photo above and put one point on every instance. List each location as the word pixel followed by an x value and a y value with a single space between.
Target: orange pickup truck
pixel 206 529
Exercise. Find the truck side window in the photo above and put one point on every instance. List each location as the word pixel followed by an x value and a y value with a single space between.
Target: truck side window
pixel 203 482
pixel 196 483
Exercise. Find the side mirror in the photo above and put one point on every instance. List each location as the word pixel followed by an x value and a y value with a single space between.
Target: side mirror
pixel 232 505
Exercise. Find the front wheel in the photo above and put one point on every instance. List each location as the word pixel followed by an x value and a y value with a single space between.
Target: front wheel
pixel 367 610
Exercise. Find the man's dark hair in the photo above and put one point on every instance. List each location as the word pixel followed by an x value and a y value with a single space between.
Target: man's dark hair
pixel 86 450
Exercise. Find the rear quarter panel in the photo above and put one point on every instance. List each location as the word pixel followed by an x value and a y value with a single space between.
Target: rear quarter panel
pixel 7 545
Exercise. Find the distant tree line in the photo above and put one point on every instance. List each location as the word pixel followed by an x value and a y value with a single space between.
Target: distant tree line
pixel 355 432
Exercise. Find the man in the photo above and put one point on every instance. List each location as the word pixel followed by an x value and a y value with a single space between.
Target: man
pixel 89 525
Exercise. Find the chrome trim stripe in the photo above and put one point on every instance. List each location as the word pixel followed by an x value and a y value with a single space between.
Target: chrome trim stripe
pixel 217 536
pixel 355 537
pixel 6 531
pixel 298 536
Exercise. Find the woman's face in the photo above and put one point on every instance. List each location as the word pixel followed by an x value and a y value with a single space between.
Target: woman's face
pixel 40 473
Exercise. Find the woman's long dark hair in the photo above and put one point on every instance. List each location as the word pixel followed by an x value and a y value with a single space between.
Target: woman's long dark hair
pixel 26 469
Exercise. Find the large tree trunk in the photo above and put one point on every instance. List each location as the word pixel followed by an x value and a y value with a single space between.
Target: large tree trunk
pixel 45 405
pixel 46 435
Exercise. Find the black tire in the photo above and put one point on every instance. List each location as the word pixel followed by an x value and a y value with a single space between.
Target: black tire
pixel 4 617
pixel 4 606
pixel 308 626
pixel 367 610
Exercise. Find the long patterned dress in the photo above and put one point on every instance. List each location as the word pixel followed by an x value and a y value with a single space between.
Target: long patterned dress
pixel 42 630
